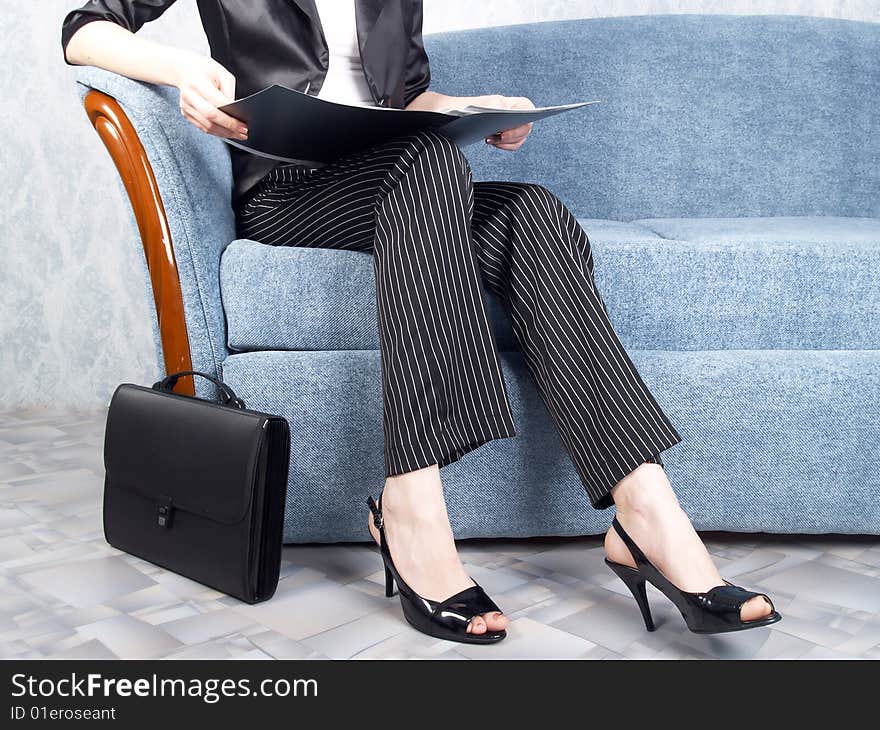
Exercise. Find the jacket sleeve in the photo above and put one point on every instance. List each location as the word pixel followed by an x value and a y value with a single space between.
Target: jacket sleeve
pixel 418 69
pixel 130 14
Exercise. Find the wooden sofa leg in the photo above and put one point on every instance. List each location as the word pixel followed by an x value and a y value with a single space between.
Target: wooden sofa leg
pixel 122 142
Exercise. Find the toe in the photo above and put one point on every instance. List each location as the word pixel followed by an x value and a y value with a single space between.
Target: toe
pixel 477 625
pixel 756 608
pixel 496 621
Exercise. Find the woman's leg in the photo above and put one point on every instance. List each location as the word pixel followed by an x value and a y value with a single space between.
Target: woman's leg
pixel 537 259
pixel 408 201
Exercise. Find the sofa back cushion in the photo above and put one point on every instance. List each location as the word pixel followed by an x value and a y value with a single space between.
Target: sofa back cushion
pixel 714 116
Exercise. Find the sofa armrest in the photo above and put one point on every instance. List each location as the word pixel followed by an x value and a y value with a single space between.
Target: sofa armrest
pixel 122 142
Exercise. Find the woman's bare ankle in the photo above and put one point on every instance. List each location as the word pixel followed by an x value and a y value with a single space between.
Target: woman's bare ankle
pixel 416 494
pixel 644 492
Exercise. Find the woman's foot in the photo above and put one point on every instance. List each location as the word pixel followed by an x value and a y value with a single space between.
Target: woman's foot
pixel 420 540
pixel 649 511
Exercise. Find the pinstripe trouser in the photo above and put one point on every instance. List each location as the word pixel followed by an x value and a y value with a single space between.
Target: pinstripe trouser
pixel 436 236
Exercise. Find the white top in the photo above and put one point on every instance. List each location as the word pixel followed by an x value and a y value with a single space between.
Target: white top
pixel 345 80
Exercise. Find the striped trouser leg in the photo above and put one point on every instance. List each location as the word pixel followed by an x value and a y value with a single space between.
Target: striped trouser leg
pixel 535 256
pixel 409 201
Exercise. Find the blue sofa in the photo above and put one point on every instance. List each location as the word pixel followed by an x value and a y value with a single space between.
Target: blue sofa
pixel 730 184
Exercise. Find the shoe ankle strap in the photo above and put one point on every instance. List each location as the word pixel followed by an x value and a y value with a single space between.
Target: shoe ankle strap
pixel 634 550
pixel 376 509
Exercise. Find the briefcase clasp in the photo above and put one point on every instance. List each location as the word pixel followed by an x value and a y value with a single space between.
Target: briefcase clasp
pixel 164 511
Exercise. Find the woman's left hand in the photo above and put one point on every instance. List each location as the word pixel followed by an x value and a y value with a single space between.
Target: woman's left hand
pixel 510 139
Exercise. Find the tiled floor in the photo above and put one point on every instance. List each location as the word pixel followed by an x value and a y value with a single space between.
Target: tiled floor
pixel 65 593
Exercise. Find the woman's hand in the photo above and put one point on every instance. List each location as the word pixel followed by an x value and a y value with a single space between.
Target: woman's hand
pixel 204 86
pixel 509 139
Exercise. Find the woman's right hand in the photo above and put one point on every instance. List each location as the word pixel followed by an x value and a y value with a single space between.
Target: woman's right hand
pixel 204 86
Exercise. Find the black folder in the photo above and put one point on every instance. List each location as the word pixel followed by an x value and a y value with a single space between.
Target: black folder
pixel 286 124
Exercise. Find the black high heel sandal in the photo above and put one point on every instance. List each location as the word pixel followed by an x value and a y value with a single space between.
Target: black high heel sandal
pixel 714 612
pixel 447 619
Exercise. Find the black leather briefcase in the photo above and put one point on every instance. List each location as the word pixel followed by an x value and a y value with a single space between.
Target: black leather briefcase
pixel 197 487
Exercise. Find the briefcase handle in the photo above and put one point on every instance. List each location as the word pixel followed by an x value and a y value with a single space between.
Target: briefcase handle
pixel 227 395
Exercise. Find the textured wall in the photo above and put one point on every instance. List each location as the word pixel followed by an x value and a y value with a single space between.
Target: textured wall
pixel 74 309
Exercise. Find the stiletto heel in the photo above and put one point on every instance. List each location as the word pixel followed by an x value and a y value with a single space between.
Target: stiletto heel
pixel 389 583
pixel 447 619
pixel 636 584
pixel 713 612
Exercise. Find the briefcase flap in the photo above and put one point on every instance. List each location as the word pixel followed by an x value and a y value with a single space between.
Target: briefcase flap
pixel 199 455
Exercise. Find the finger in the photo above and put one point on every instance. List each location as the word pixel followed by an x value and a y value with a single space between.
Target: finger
pixel 509 135
pixel 515 102
pixel 521 102
pixel 494 101
pixel 209 88
pixel 227 84
pixel 497 142
pixel 500 144
pixel 197 120
pixel 207 126
pixel 194 119
pixel 510 147
pixel 207 110
pixel 214 98
pixel 515 134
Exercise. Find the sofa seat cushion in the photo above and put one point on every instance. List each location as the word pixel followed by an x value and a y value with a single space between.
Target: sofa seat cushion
pixel 299 298
pixel 669 284
pixel 778 230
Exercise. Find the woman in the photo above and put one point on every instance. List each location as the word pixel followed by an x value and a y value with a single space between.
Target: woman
pixel 436 236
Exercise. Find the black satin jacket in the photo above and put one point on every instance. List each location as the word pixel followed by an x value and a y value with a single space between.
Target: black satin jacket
pixel 262 42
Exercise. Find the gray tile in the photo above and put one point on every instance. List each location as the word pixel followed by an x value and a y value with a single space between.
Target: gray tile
pixel 780 645
pixel 865 640
pixel 751 562
pixel 166 615
pixel 412 645
pixel 209 650
pixel 553 611
pixel 30 434
pixel 343 564
pixel 735 645
pixel 821 652
pixel 572 560
pixel 614 623
pixel 10 518
pixel 130 638
pixel 13 548
pixel 528 639
pixel 815 581
pixel 87 581
pixel 495 581
pixel 813 631
pixel 348 640
pixel 73 617
pixel 204 626
pixel 279 646
pixel 91 649
pixel 64 592
pixel 153 596
pixel 183 588
pixel 312 610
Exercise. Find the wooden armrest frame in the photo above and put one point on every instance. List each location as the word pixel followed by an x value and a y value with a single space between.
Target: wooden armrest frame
pixel 122 142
